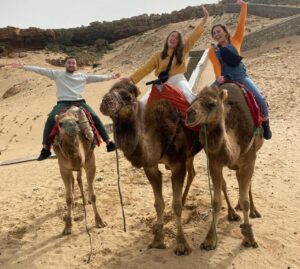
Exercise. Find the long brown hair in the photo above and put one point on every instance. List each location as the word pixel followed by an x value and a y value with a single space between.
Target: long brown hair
pixel 178 50
pixel 224 29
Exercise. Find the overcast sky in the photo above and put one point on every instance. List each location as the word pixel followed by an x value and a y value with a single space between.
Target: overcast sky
pixel 74 13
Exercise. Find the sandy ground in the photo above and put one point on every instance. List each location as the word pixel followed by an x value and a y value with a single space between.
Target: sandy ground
pixel 32 194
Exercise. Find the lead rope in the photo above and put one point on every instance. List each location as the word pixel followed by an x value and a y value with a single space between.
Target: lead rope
pixel 119 188
pixel 204 129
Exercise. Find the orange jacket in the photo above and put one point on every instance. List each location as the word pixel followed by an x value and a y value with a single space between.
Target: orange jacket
pixel 236 40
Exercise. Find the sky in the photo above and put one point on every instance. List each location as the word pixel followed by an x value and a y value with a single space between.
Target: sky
pixel 51 14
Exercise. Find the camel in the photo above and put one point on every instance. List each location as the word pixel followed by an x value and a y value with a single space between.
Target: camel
pixel 74 148
pixel 229 131
pixel 150 136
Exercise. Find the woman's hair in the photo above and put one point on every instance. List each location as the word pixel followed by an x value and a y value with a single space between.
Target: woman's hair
pixel 224 29
pixel 178 50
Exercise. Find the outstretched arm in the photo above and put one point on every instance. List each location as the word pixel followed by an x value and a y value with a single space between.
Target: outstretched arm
pixel 40 70
pixel 195 35
pixel 98 78
pixel 238 36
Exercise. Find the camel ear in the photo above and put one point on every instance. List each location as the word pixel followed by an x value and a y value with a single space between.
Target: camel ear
pixel 223 95
pixel 134 89
pixel 56 118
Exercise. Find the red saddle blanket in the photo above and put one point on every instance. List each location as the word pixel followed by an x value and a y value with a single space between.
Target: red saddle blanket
pixel 176 98
pixel 55 129
pixel 252 104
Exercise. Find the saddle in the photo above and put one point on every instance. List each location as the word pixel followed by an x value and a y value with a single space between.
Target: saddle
pixel 96 136
pixel 245 100
pixel 175 97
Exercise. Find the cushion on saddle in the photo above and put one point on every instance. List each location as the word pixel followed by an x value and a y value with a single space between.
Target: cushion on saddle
pixel 175 97
pixel 55 129
pixel 252 104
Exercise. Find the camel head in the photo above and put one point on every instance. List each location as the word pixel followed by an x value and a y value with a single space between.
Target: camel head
pixel 207 108
pixel 68 123
pixel 120 101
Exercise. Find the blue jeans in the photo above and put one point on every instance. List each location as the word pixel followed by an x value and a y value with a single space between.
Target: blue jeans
pixel 260 99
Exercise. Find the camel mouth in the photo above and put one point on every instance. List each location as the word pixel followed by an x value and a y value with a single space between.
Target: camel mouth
pixel 109 105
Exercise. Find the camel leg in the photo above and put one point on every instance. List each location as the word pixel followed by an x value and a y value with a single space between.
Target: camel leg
pixel 216 172
pixel 253 211
pixel 90 170
pixel 178 175
pixel 244 175
pixel 79 180
pixel 190 178
pixel 232 215
pixel 68 178
pixel 154 176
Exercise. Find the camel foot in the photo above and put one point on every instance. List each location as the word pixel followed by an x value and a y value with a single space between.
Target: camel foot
pixel 238 207
pixel 233 216
pixel 254 214
pixel 157 244
pixel 182 249
pixel 249 240
pixel 67 231
pixel 210 241
pixel 99 222
pixel 68 227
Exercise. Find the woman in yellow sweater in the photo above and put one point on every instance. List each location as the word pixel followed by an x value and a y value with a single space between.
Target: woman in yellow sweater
pixel 227 62
pixel 159 61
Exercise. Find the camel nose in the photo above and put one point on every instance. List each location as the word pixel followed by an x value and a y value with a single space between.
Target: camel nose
pixel 190 116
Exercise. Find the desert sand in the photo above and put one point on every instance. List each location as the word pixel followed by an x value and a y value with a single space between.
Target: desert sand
pixel 32 194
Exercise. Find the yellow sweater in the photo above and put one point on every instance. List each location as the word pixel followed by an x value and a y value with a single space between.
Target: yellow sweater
pixel 158 64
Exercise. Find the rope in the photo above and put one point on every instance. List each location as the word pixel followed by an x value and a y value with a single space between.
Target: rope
pixel 86 228
pixel 90 238
pixel 119 188
pixel 204 128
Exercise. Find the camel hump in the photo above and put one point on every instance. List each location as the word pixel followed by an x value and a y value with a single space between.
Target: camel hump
pixel 236 96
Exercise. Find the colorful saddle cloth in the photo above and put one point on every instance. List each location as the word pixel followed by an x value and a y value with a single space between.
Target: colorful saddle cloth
pixel 176 98
pixel 55 129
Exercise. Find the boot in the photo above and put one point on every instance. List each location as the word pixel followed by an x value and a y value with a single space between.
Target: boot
pixel 267 130
pixel 110 146
pixel 45 153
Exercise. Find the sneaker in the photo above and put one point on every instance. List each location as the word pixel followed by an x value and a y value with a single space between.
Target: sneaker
pixel 267 130
pixel 45 153
pixel 110 146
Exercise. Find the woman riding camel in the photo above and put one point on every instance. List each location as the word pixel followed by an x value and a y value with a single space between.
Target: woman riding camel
pixel 175 46
pixel 227 63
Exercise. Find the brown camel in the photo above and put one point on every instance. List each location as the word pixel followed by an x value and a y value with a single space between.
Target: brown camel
pixel 229 135
pixel 148 137
pixel 74 147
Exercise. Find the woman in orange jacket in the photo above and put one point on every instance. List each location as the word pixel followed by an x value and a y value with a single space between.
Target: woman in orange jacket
pixel 227 62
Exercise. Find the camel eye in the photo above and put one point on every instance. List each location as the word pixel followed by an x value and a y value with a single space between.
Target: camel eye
pixel 210 106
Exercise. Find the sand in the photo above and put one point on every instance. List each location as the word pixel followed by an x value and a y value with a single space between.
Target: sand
pixel 32 194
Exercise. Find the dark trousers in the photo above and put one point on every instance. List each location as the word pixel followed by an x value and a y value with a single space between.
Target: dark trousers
pixel 62 104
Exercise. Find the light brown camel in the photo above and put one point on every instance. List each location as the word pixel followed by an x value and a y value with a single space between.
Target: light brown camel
pixel 229 134
pixel 149 137
pixel 74 148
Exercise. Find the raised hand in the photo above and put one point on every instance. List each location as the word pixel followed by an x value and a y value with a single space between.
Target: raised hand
pixel 116 75
pixel 205 13
pixel 240 2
